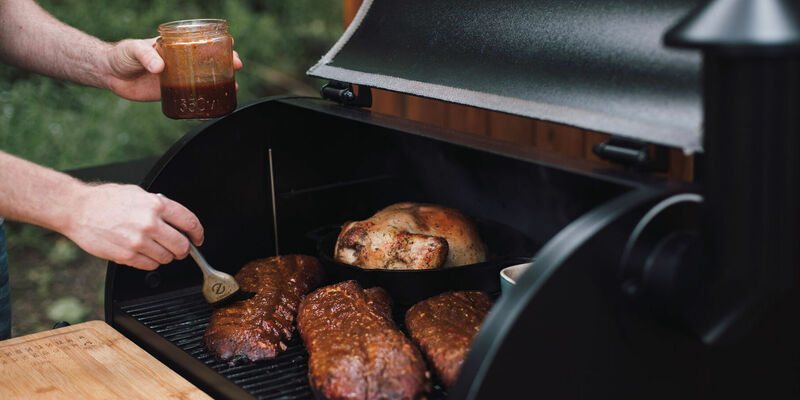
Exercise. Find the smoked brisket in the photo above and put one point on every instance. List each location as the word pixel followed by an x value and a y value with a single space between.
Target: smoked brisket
pixel 356 350
pixel 444 325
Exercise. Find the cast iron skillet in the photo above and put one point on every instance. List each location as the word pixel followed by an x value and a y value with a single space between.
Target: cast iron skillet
pixel 505 246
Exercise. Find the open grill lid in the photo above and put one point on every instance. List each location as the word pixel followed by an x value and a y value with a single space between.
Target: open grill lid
pixel 598 65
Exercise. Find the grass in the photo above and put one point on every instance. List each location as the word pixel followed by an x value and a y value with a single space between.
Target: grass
pixel 66 126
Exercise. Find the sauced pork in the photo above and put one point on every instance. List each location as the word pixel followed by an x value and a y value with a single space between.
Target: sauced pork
pixel 356 350
pixel 258 328
pixel 444 325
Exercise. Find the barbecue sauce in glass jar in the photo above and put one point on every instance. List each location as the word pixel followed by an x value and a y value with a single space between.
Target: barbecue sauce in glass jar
pixel 198 78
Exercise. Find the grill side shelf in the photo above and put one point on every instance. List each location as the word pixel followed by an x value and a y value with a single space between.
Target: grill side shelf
pixel 171 327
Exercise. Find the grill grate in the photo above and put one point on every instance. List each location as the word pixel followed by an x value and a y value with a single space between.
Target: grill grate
pixel 182 320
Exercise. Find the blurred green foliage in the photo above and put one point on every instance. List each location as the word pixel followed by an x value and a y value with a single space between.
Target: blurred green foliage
pixel 65 126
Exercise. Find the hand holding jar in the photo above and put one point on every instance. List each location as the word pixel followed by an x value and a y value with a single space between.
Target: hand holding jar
pixel 198 78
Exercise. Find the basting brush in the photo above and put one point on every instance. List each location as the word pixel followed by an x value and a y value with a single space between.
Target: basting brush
pixel 219 288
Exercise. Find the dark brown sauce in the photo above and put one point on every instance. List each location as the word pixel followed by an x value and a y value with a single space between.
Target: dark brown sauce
pixel 202 100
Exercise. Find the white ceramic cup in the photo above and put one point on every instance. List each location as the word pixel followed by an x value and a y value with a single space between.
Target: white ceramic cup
pixel 510 275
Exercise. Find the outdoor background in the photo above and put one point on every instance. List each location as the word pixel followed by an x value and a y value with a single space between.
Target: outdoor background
pixel 65 126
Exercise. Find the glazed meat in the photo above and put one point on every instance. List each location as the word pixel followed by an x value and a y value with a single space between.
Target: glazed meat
pixel 411 236
pixel 444 325
pixel 355 348
pixel 258 328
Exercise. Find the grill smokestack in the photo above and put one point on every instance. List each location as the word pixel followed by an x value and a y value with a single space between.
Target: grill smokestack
pixel 751 165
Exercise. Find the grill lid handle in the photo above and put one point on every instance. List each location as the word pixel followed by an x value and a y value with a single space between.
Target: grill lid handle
pixel 343 93
pixel 632 153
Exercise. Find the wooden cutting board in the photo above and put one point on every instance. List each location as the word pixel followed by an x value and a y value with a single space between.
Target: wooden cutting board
pixel 86 361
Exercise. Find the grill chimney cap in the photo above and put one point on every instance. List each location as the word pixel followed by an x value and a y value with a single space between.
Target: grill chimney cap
pixel 740 26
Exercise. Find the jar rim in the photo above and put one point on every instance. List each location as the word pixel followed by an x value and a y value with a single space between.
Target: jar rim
pixel 192 25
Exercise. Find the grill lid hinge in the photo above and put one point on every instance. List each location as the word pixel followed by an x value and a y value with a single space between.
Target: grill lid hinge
pixel 633 153
pixel 343 93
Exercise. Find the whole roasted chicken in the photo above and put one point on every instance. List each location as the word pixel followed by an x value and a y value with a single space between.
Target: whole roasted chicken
pixel 411 236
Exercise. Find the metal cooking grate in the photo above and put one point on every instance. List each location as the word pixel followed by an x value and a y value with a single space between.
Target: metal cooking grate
pixel 182 320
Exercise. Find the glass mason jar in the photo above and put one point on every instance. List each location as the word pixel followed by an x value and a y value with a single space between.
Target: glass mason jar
pixel 198 79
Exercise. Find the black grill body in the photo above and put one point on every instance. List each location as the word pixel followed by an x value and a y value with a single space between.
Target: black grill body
pixel 330 164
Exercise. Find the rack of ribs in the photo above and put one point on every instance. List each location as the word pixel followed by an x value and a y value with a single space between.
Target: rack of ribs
pixel 258 328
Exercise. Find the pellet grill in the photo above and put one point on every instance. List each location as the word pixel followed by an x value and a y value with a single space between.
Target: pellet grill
pixel 641 287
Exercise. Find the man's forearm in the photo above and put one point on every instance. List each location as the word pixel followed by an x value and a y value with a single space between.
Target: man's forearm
pixel 35 194
pixel 32 39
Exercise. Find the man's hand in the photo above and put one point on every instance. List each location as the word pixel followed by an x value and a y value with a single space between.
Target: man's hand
pixel 130 69
pixel 130 226
pixel 30 38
